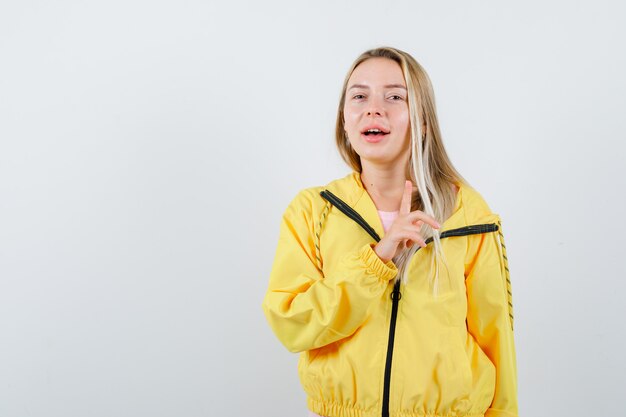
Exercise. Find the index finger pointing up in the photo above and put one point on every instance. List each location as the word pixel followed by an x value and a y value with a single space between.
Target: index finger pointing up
pixel 405 205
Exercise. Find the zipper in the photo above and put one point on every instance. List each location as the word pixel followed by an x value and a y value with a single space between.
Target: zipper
pixel 396 294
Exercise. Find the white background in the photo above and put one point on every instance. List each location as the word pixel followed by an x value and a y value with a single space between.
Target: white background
pixel 149 148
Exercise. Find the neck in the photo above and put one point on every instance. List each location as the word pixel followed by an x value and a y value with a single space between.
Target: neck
pixel 385 185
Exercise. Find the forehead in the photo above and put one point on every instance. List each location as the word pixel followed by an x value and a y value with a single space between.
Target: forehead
pixel 377 71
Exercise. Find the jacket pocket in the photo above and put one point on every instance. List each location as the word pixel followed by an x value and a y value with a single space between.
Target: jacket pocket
pixel 460 400
pixel 483 373
pixel 435 375
pixel 462 360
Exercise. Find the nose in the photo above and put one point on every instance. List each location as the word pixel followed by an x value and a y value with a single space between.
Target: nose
pixel 375 107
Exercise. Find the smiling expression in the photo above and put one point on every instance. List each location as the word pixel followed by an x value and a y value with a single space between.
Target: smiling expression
pixel 376 113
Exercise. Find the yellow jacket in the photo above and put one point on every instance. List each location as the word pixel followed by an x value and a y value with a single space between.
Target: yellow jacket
pixel 366 352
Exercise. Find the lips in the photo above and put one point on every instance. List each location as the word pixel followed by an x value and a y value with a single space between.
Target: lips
pixel 374 129
pixel 374 133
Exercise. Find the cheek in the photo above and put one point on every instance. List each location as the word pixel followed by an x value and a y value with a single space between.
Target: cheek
pixel 402 121
pixel 350 117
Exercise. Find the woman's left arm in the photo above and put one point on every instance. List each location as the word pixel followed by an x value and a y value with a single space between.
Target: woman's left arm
pixel 490 315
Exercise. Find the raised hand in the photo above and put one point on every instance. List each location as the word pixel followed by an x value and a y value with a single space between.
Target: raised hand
pixel 405 228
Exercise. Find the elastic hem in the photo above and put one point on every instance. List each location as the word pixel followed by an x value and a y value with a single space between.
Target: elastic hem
pixel 329 409
pixel 492 412
pixel 337 410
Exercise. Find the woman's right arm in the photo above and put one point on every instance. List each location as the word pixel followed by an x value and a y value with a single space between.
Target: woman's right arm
pixel 307 309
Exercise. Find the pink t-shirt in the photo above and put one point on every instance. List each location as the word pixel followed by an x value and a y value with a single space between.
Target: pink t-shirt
pixel 387 217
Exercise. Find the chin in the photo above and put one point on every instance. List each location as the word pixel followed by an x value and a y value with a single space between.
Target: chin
pixel 377 158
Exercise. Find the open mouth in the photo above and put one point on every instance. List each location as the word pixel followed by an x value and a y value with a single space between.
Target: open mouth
pixel 375 132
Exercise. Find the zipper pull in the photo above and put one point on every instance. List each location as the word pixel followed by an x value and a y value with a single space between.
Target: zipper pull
pixel 396 295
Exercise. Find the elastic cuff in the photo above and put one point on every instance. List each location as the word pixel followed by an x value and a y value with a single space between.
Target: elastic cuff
pixel 386 271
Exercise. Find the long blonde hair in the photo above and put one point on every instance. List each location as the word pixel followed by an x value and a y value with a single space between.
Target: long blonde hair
pixel 429 166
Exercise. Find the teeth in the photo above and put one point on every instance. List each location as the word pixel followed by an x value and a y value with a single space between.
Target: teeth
pixel 373 131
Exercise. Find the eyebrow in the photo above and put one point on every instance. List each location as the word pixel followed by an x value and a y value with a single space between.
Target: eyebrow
pixel 386 86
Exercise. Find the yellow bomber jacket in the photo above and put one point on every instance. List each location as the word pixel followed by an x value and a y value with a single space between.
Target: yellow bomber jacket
pixel 370 348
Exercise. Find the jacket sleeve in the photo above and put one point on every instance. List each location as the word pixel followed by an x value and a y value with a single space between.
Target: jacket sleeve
pixel 307 309
pixel 490 316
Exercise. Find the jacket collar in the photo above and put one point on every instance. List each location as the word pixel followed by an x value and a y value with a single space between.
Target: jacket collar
pixel 351 190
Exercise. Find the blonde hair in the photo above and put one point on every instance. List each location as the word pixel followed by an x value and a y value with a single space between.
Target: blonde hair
pixel 429 166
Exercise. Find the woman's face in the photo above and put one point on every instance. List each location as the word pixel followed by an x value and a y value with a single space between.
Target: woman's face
pixel 376 112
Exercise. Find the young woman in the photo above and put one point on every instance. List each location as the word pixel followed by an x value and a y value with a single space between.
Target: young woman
pixel 398 297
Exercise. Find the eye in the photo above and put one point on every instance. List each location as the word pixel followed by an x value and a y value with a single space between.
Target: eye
pixel 358 96
pixel 396 97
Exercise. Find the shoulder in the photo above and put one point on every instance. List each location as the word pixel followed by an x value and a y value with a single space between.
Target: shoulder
pixel 308 201
pixel 477 211
pixel 475 206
